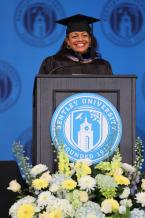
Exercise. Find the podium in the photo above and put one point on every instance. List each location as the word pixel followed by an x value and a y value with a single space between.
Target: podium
pixel 51 90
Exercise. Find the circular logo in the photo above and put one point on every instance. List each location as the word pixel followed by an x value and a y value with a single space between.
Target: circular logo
pixel 123 21
pixel 35 21
pixel 10 86
pixel 88 126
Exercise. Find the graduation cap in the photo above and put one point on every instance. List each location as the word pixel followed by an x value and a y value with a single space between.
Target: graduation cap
pixel 79 23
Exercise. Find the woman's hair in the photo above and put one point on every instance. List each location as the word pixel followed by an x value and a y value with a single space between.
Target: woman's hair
pixel 64 50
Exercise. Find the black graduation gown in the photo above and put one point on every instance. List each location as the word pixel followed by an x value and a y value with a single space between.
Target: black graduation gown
pixel 58 64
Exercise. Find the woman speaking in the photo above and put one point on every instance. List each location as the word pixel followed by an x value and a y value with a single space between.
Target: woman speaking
pixel 78 53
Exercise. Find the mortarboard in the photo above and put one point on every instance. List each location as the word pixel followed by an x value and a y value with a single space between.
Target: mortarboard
pixel 78 22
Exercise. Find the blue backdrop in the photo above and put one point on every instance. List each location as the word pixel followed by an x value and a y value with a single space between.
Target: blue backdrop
pixel 29 34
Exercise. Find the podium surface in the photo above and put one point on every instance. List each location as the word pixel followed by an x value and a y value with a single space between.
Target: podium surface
pixel 51 90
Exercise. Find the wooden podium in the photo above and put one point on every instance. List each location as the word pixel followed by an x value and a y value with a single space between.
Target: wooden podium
pixel 50 90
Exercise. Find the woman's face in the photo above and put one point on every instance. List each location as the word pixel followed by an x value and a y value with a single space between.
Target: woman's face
pixel 79 41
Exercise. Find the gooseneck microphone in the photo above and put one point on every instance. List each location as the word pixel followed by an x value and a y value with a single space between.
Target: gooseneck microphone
pixel 76 64
pixel 63 67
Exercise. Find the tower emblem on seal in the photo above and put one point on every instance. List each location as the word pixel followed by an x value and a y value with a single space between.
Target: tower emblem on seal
pixel 88 126
pixel 10 86
pixel 35 21
pixel 123 21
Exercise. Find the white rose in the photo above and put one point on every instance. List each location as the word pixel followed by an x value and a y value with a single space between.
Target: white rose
pixel 105 207
pixel 14 186
pixel 83 196
pixel 46 176
pixel 143 184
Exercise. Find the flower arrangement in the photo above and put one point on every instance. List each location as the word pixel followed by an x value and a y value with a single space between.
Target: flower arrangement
pixel 79 190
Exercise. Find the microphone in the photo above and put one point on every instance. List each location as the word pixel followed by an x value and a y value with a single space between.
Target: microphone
pixel 63 67
pixel 79 63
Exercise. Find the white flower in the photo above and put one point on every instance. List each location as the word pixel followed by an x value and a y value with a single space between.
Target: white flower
pixel 54 200
pixel 14 186
pixel 129 168
pixel 89 210
pixel 106 208
pixel 122 209
pixel 125 193
pixel 44 198
pixel 62 204
pixel 126 202
pixel 13 209
pixel 38 169
pixel 140 198
pixel 137 213
pixel 54 188
pixel 65 206
pixel 87 183
pixel 57 178
pixel 46 176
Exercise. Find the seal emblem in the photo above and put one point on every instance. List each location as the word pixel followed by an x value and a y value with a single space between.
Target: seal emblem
pixel 35 21
pixel 88 126
pixel 10 86
pixel 123 22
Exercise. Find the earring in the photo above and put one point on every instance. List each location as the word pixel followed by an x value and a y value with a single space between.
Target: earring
pixel 68 47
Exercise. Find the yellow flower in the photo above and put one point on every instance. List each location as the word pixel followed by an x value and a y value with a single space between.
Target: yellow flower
pixel 121 180
pixel 57 213
pixel 115 163
pixel 82 169
pixel 26 211
pixel 86 169
pixel 63 162
pixel 115 205
pixel 105 166
pixel 118 172
pixel 143 184
pixel 14 186
pixel 40 183
pixel 83 196
pixel 69 184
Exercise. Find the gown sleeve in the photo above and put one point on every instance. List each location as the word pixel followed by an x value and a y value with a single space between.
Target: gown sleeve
pixel 109 69
pixel 46 66
pixel 104 67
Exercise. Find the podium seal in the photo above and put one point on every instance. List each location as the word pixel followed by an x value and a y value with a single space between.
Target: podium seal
pixel 88 125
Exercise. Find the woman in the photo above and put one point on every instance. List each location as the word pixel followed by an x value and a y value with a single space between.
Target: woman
pixel 78 52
